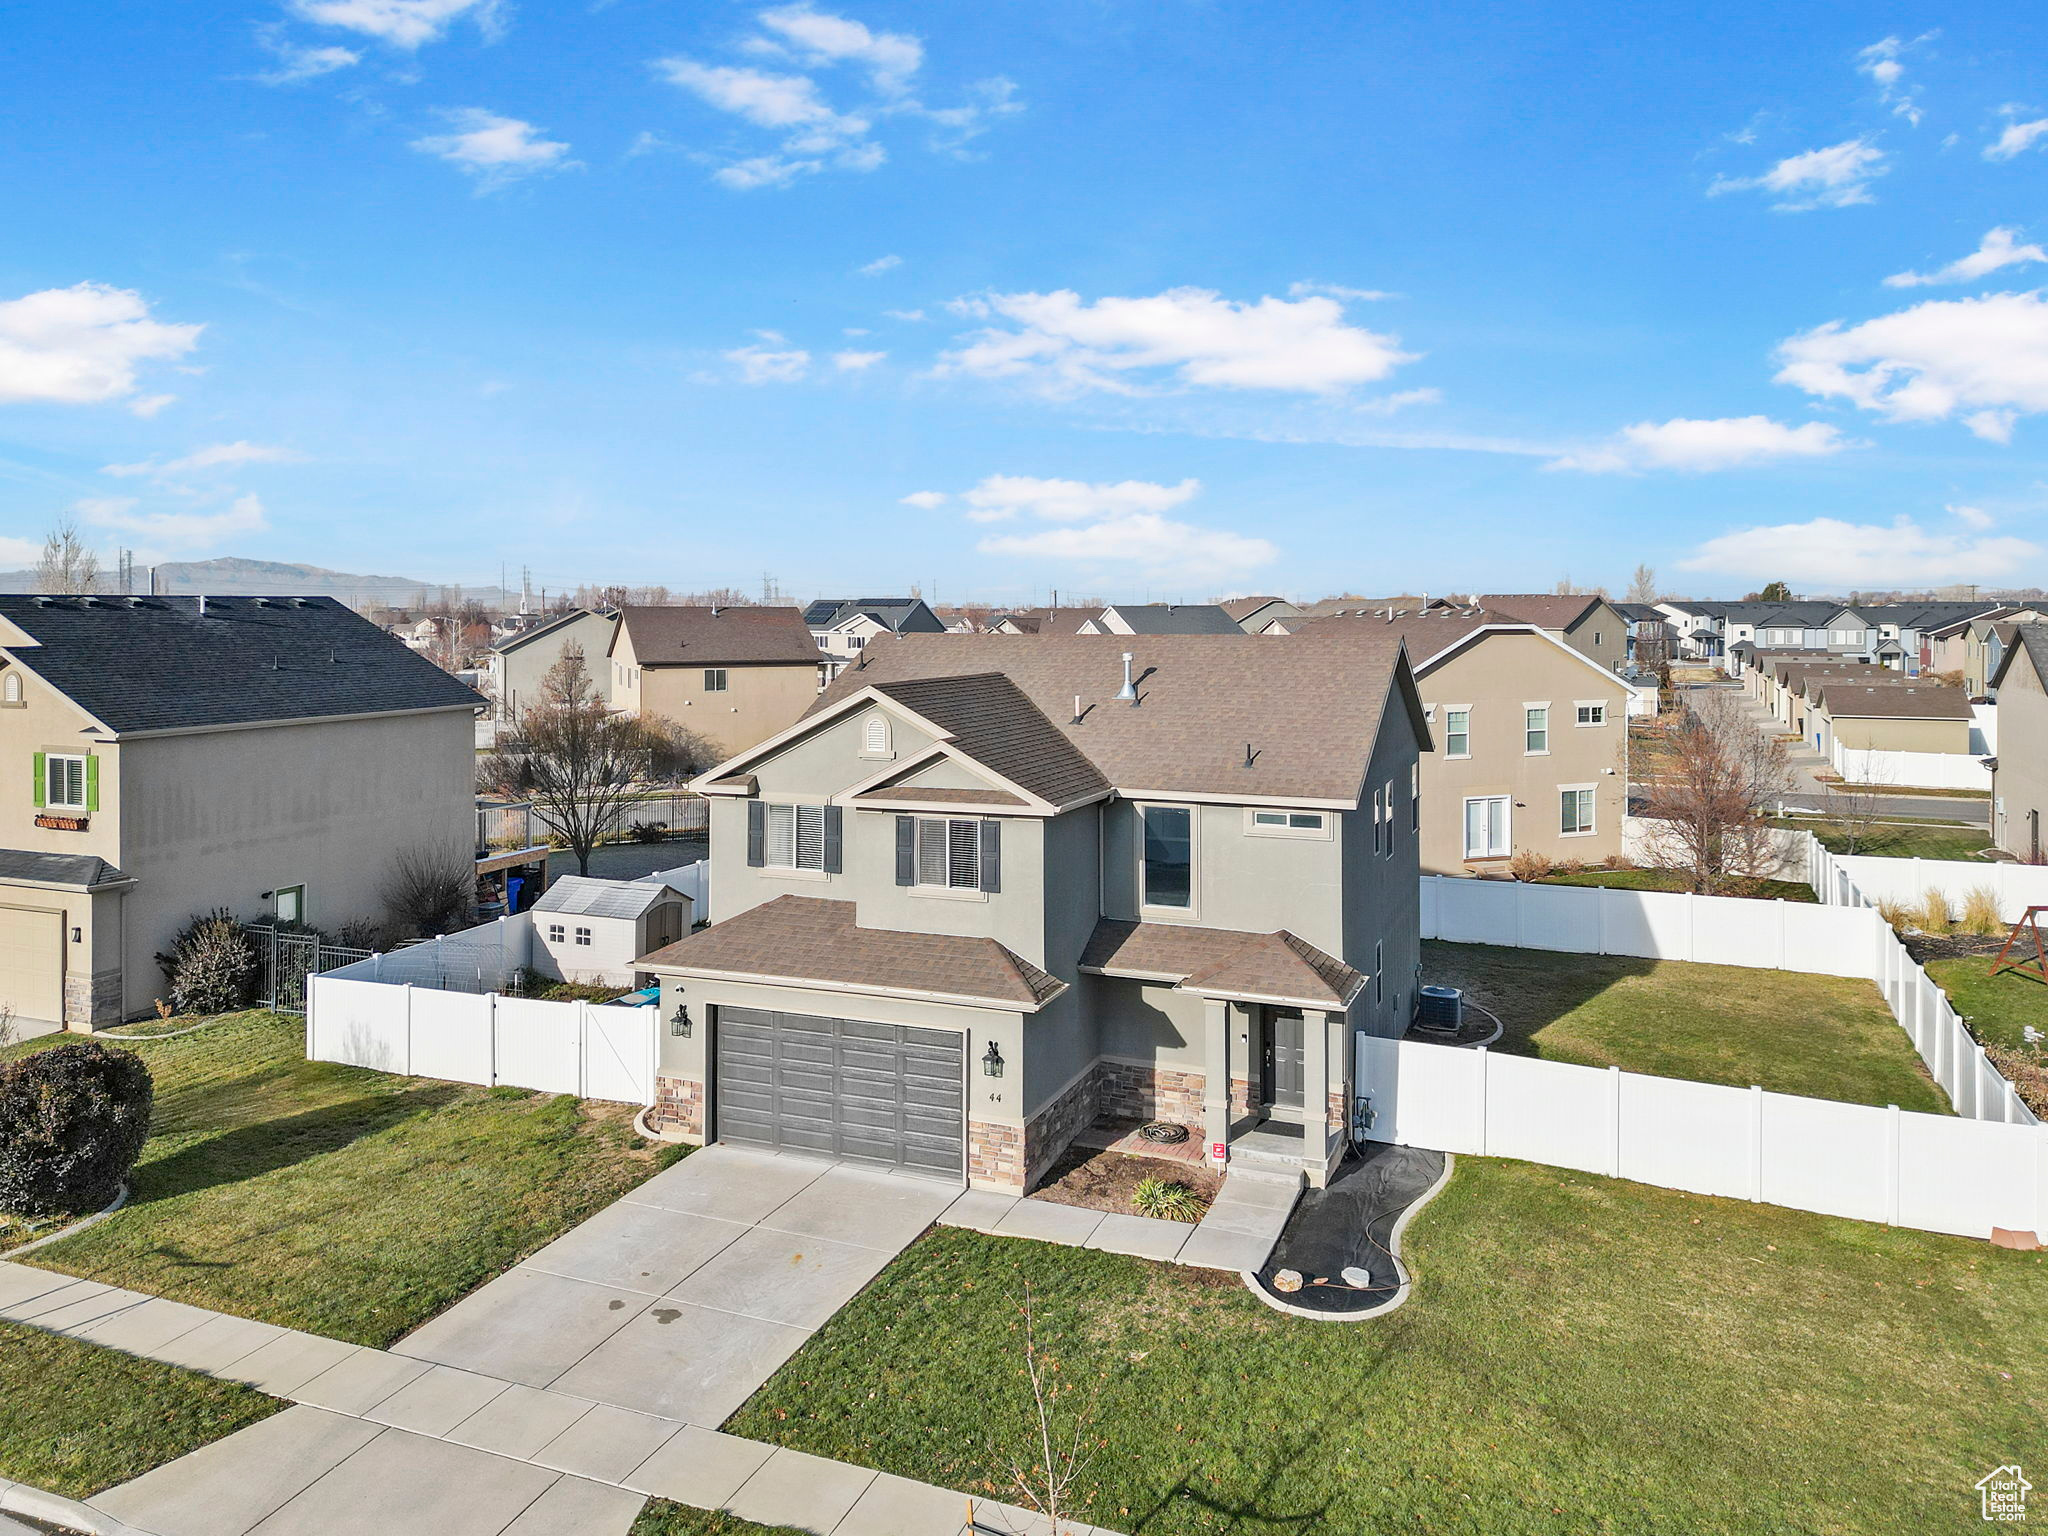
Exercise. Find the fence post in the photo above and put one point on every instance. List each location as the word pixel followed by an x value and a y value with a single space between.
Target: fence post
pixel 1614 1117
pixel 1691 947
pixel 1756 1144
pixel 405 1002
pixel 377 966
pixel 582 1049
pixel 1479 1094
pixel 1781 934
pixel 1600 919
pixel 1892 1167
pixel 491 1040
pixel 1520 891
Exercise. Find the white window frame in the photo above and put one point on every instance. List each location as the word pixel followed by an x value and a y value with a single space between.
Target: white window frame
pixel 10 689
pixel 877 737
pixel 795 815
pixel 1189 912
pixel 947 887
pixel 558 933
pixel 1466 711
pixel 1529 707
pixel 1507 803
pixel 1321 830
pixel 724 683
pixel 1592 803
pixel 1415 796
pixel 583 937
pixel 1387 811
pixel 1580 706
pixel 50 797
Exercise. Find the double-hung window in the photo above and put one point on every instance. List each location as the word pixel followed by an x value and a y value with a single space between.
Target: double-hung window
pixel 949 853
pixel 795 836
pixel 714 679
pixel 1577 808
pixel 1457 733
pixel 1169 856
pixel 64 785
pixel 1536 729
pixel 1592 714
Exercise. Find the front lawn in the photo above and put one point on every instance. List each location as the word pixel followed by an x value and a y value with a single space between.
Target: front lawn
pixel 1580 1355
pixel 1828 1037
pixel 1896 840
pixel 342 1201
pixel 1671 880
pixel 80 1418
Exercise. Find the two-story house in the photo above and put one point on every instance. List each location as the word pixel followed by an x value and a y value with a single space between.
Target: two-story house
pixel 990 889
pixel 164 756
pixel 843 626
pixel 1586 622
pixel 519 662
pixel 735 675
pixel 2019 773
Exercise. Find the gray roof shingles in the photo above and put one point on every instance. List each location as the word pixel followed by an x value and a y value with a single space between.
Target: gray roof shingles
pixel 84 870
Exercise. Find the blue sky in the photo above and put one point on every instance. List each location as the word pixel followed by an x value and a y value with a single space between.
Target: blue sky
pixel 1165 299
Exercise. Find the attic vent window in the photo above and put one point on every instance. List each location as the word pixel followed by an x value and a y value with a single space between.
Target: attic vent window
pixel 874 740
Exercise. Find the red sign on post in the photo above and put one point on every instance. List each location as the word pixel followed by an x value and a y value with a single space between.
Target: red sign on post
pixel 1218 1152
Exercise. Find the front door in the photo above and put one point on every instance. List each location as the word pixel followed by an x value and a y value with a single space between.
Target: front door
pixel 1282 1059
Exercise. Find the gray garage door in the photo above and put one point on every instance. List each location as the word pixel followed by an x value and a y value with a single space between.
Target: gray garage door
pixel 888 1095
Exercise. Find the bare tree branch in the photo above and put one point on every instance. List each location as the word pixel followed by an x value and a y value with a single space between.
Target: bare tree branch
pixel 1716 776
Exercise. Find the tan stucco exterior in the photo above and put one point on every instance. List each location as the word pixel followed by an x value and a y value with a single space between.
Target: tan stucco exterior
pixel 1889 734
pixel 517 669
pixel 1496 677
pixel 758 700
pixel 2019 788
pixel 1600 634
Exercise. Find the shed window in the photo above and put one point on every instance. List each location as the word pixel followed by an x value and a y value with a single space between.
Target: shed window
pixel 582 935
pixel 556 933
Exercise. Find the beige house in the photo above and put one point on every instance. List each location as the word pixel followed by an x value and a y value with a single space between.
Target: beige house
pixel 518 664
pixel 1986 644
pixel 1588 623
pixel 1896 717
pixel 1531 740
pixel 958 917
pixel 2019 774
pixel 734 675
pixel 164 756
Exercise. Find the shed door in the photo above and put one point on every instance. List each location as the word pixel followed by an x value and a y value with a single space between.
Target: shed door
pixel 32 963
pixel 888 1095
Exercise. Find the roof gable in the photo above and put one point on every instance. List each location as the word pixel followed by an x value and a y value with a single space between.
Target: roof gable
pixel 721 636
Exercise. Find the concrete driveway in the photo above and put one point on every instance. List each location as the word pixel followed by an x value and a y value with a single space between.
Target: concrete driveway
pixel 689 1293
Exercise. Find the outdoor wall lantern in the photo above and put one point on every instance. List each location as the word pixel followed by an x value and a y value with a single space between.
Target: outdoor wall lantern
pixel 679 1023
pixel 992 1061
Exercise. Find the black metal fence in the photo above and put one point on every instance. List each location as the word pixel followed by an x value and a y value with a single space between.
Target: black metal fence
pixel 287 957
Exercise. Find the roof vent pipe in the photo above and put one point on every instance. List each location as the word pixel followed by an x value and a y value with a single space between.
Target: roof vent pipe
pixel 202 605
pixel 1129 692
pixel 1077 709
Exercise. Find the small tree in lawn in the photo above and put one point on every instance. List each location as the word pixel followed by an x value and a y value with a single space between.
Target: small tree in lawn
pixel 1705 808
pixel 1856 809
pixel 572 756
pixel 1047 1476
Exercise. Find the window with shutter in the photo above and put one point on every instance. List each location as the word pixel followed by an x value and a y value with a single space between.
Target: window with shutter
pixel 793 837
pixel 949 853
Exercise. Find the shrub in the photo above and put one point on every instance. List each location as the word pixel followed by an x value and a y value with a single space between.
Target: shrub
pixel 72 1122
pixel 1981 912
pixel 1167 1200
pixel 1897 913
pixel 430 889
pixel 1572 867
pixel 1933 915
pixel 211 965
pixel 1528 864
pixel 648 831
pixel 1616 861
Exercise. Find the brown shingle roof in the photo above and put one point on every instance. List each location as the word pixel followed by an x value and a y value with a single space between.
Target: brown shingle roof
pixel 1426 633
pixel 710 637
pixel 1307 706
pixel 1896 702
pixel 1269 967
pixel 795 939
pixel 935 796
pixel 1551 610
pixel 1048 621
pixel 1240 608
pixel 995 724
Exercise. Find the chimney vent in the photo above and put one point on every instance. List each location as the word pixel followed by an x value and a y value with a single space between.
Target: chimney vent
pixel 1129 692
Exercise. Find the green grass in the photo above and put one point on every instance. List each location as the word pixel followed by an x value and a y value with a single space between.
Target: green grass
pixel 342 1201
pixel 1923 840
pixel 1580 1355
pixel 1670 880
pixel 1828 1037
pixel 661 1518
pixel 79 1418
pixel 1999 1007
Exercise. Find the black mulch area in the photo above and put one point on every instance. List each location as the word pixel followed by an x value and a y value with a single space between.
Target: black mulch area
pixel 1349 1225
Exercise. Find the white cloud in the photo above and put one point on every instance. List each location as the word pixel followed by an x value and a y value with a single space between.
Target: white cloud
pixel 1970 517
pixel 1835 177
pixel 1985 358
pixel 926 500
pixel 764 171
pixel 1185 336
pixel 179 529
pixel 912 316
pixel 1729 442
pixel 296 63
pixel 147 406
pixel 82 345
pixel 880 265
pixel 1154 545
pixel 761 365
pixel 1339 291
pixel 1880 61
pixel 768 101
pixel 854 362
pixel 1399 400
pixel 816 38
pixel 215 456
pixel 495 150
pixel 401 23
pixel 999 497
pixel 1996 250
pixel 2017 138
pixel 1828 552
pixel 19 552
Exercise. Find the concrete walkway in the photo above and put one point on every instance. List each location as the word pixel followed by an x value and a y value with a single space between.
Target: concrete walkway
pixel 1237 1232
pixel 557 1398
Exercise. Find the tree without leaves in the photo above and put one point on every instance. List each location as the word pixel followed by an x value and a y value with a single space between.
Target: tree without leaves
pixel 1705 807
pixel 1642 586
pixel 430 890
pixel 571 756
pixel 66 566
pixel 1047 1477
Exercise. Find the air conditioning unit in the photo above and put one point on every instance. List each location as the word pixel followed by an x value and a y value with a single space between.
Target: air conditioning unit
pixel 1443 1007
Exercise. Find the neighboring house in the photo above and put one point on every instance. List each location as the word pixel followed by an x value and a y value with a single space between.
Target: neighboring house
pixel 1586 622
pixel 1696 628
pixel 519 664
pixel 976 899
pixel 2019 773
pixel 1899 717
pixel 595 931
pixel 1252 614
pixel 1786 686
pixel 1985 643
pixel 1751 662
pixel 1652 638
pixel 735 675
pixel 843 626
pixel 1042 621
pixel 1531 740
pixel 1162 619
pixel 164 756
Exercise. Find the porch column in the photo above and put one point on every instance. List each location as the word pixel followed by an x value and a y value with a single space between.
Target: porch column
pixel 1216 1078
pixel 1315 1081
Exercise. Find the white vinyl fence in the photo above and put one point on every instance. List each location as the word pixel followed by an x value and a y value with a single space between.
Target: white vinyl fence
pixel 480 959
pixel 1909 770
pixel 1858 880
pixel 595 1051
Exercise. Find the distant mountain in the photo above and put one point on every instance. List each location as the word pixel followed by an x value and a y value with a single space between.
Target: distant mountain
pixel 230 576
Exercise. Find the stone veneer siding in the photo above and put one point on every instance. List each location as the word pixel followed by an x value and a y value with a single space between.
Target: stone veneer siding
pixel 679 1107
pixel 93 1001
pixel 995 1154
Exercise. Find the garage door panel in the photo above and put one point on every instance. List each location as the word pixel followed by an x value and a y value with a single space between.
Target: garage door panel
pixel 887 1095
pixel 32 962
